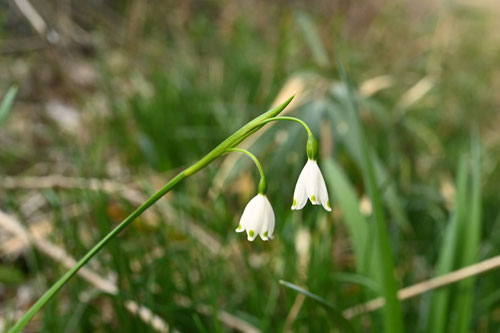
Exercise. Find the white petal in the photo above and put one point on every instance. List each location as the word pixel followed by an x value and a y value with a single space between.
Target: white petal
pixel 323 192
pixel 263 231
pixel 312 189
pixel 267 229
pixel 253 235
pixel 255 222
pixel 271 220
pixel 299 195
pixel 249 214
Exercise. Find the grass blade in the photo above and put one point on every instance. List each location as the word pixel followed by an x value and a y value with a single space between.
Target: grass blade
pixel 393 316
pixel 336 315
pixel 357 279
pixel 313 39
pixel 339 112
pixel 447 256
pixel 6 104
pixel 357 225
pixel 470 242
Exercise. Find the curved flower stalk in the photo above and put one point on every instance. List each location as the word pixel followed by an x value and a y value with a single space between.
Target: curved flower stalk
pixel 310 183
pixel 258 216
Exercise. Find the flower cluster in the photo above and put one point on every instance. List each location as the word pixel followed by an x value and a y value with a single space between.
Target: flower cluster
pixel 258 216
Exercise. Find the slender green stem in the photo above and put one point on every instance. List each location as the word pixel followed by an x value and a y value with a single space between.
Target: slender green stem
pixel 309 132
pixel 252 156
pixel 230 142
pixel 263 183
pixel 312 144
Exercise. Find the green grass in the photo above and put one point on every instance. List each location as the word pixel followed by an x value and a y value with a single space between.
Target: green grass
pixel 447 258
pixel 338 320
pixel 6 104
pixel 393 318
pixel 197 76
pixel 470 238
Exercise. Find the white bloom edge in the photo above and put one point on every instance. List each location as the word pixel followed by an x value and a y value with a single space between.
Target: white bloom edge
pixel 311 185
pixel 257 218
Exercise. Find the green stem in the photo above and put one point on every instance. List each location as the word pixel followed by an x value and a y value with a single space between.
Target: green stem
pixel 227 144
pixel 309 132
pixel 263 183
pixel 312 144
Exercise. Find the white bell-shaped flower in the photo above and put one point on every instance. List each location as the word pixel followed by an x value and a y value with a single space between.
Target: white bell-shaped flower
pixel 257 218
pixel 310 184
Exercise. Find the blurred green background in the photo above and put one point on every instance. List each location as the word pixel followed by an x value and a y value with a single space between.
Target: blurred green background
pixel 104 101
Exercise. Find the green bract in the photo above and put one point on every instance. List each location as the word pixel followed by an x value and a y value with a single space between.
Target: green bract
pixel 312 148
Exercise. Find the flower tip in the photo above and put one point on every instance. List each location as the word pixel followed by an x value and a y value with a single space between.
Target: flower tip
pixel 251 235
pixel 265 236
pixel 257 219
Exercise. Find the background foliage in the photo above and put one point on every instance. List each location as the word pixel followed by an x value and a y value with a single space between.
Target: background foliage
pixel 133 91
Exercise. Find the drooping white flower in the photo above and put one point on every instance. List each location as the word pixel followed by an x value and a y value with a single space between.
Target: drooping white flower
pixel 311 184
pixel 257 218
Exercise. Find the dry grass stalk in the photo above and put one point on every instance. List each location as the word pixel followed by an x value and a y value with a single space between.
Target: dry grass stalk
pixel 428 285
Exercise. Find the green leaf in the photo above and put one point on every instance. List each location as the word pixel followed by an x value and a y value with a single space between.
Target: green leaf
pixel 339 112
pixel 6 104
pixel 344 195
pixel 470 241
pixel 393 316
pixel 357 279
pixel 313 39
pixel 336 315
pixel 447 257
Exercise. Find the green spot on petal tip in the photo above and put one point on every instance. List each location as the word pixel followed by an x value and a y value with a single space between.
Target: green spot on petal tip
pixel 265 234
pixel 239 226
pixel 328 204
pixel 313 198
pixel 294 202
pixel 251 233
